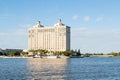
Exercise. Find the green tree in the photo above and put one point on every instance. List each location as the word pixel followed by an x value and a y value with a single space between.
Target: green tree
pixel 24 53
pixel 118 53
pixel 14 53
pixel 78 52
pixel 68 53
pixel 1 53
pixel 45 51
pixel 87 54
pixel 17 53
pixel 114 54
pixel 42 52
pixel 11 53
pixel 34 52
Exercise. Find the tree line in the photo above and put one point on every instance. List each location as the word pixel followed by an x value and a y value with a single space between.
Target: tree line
pixel 11 53
pixel 115 54
pixel 42 52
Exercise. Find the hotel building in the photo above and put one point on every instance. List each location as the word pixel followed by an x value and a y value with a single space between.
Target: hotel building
pixel 56 38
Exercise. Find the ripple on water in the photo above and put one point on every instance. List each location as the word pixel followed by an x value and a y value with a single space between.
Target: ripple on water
pixel 60 69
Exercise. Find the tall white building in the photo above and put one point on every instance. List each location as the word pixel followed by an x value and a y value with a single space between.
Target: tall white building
pixel 56 38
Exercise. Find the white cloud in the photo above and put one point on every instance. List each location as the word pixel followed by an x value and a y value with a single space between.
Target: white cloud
pixel 25 25
pixel 20 32
pixel 87 18
pixel 6 16
pixel 75 17
pixel 14 39
pixel 15 32
pixel 1 34
pixel 94 40
pixel 98 19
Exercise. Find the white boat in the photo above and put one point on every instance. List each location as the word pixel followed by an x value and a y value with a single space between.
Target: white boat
pixel 51 57
pixel 36 56
pixel 76 57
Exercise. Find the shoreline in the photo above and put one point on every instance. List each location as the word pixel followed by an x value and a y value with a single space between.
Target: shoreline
pixel 14 57
pixel 66 57
pixel 32 57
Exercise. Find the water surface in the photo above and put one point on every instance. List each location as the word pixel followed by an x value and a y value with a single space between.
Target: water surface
pixel 91 68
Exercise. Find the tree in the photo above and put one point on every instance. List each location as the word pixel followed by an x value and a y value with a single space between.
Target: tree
pixel 68 53
pixel 34 52
pixel 42 52
pixel 73 51
pixel 17 53
pixel 14 53
pixel 1 53
pixel 45 51
pixel 78 53
pixel 118 53
pixel 24 53
pixel 11 53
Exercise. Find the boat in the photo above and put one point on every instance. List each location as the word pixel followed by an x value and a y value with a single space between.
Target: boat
pixel 52 57
pixel 37 56
pixel 76 57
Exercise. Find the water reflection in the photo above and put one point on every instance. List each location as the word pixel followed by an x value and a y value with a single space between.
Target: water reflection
pixel 60 69
pixel 47 69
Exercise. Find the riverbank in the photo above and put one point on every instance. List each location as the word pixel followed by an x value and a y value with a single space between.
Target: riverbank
pixel 101 56
pixel 30 57
pixel 14 57
pixel 61 57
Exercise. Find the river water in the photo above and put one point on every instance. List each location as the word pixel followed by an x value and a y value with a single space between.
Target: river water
pixel 90 68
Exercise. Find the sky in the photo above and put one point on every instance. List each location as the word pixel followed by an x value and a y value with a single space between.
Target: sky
pixel 95 24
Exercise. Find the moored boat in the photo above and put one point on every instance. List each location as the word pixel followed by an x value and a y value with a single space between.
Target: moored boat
pixel 36 56
pixel 51 57
pixel 76 57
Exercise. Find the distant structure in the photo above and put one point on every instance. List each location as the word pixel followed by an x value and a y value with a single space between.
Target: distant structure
pixel 56 38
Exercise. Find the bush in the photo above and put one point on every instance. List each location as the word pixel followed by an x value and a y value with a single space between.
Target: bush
pixel 14 53
pixel 68 53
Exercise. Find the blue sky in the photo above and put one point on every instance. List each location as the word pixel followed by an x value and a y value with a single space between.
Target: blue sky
pixel 95 24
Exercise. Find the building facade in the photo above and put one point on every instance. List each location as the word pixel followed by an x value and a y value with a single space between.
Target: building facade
pixel 56 38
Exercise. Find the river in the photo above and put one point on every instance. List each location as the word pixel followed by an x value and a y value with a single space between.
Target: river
pixel 89 68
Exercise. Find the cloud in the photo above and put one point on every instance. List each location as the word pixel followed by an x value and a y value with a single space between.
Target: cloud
pixel 94 40
pixel 20 32
pixel 14 39
pixel 75 17
pixel 98 19
pixel 6 16
pixel 87 18
pixel 15 32
pixel 2 33
pixel 25 25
